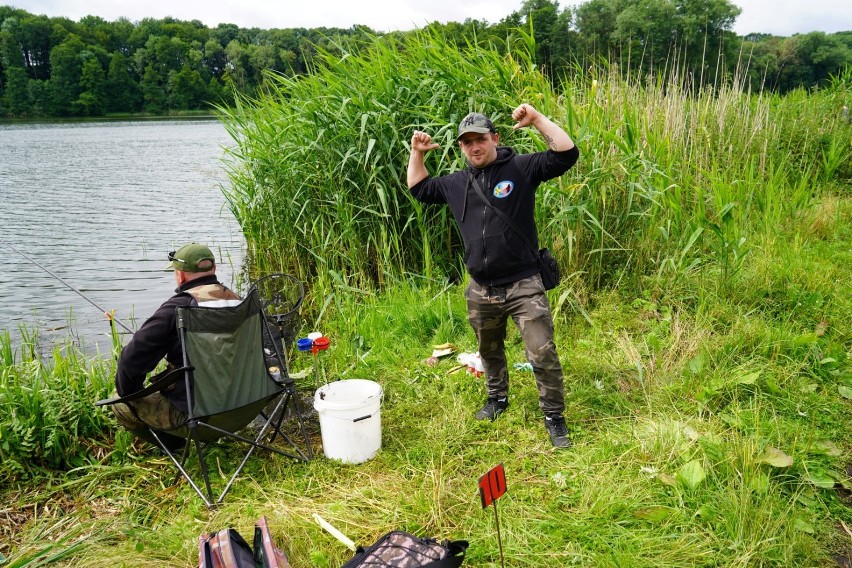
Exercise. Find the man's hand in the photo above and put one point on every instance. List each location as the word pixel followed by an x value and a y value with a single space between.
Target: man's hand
pixel 422 142
pixel 556 138
pixel 524 115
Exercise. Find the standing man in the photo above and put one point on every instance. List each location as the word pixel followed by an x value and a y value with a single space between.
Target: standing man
pixel 504 271
pixel 195 275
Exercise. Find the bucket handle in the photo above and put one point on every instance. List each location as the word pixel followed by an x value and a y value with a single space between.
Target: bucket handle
pixel 359 419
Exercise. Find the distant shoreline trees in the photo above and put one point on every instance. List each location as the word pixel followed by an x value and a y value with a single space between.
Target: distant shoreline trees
pixel 55 67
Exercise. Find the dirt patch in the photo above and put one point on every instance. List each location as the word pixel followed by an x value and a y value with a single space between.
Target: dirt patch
pixel 13 518
pixel 843 493
pixel 11 521
pixel 844 560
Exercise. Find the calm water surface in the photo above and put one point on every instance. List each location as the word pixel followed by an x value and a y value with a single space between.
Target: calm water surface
pixel 100 205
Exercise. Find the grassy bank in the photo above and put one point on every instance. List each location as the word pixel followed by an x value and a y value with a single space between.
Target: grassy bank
pixel 704 329
pixel 709 431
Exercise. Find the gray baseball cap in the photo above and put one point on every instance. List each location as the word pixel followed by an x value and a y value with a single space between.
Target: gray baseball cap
pixel 475 122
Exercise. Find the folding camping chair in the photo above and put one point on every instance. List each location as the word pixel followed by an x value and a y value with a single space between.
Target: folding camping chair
pixel 228 384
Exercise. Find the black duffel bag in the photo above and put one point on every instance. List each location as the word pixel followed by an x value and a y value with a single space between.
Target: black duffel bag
pixel 399 549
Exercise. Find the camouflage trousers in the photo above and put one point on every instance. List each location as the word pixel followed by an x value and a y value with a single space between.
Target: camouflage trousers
pixel 488 310
pixel 153 411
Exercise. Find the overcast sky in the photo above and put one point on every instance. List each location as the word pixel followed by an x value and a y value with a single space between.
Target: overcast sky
pixel 779 17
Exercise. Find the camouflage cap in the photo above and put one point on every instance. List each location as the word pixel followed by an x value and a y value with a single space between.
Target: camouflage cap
pixel 192 257
pixel 475 122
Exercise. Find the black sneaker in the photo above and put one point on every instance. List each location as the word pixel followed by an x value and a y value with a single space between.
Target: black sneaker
pixel 493 408
pixel 555 425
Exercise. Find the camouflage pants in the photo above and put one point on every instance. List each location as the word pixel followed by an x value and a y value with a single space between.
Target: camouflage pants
pixel 155 411
pixel 488 310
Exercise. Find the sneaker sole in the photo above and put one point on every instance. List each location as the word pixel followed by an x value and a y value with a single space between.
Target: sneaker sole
pixel 491 418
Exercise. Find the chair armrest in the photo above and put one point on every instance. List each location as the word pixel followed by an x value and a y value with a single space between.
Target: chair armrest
pixel 167 380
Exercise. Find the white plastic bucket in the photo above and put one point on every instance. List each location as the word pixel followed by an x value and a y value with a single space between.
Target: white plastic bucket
pixel 350 419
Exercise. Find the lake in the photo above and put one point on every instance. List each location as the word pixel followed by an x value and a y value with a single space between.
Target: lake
pixel 100 204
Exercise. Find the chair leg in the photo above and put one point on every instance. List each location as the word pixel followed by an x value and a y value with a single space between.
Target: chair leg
pixel 202 463
pixel 183 458
pixel 284 366
pixel 182 470
pixel 276 427
pixel 302 424
pixel 280 407
pixel 236 473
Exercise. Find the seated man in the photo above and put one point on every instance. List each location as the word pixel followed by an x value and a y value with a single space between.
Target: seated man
pixel 195 274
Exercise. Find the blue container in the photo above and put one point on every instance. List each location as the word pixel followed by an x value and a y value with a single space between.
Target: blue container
pixel 304 344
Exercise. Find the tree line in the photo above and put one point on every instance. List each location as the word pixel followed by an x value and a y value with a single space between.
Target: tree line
pixel 55 67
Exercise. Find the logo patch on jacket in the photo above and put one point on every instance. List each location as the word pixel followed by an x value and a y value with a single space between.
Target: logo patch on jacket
pixel 503 189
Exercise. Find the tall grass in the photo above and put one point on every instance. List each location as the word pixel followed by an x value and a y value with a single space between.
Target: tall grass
pixel 669 176
pixel 318 174
pixel 49 422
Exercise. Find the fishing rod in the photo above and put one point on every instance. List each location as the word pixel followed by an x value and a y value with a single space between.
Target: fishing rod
pixel 109 315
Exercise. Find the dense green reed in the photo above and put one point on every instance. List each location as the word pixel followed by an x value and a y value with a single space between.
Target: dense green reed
pixel 670 177
pixel 318 174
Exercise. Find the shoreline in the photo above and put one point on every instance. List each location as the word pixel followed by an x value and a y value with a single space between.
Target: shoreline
pixel 109 118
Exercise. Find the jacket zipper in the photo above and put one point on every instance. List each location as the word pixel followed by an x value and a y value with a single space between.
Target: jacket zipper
pixel 483 225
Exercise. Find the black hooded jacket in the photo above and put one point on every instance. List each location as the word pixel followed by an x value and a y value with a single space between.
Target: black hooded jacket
pixel 155 339
pixel 495 255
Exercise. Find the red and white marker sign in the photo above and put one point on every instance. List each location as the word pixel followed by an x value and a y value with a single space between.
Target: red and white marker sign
pixel 492 485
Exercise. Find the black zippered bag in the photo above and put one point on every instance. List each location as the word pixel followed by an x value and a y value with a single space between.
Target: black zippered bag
pixel 399 549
